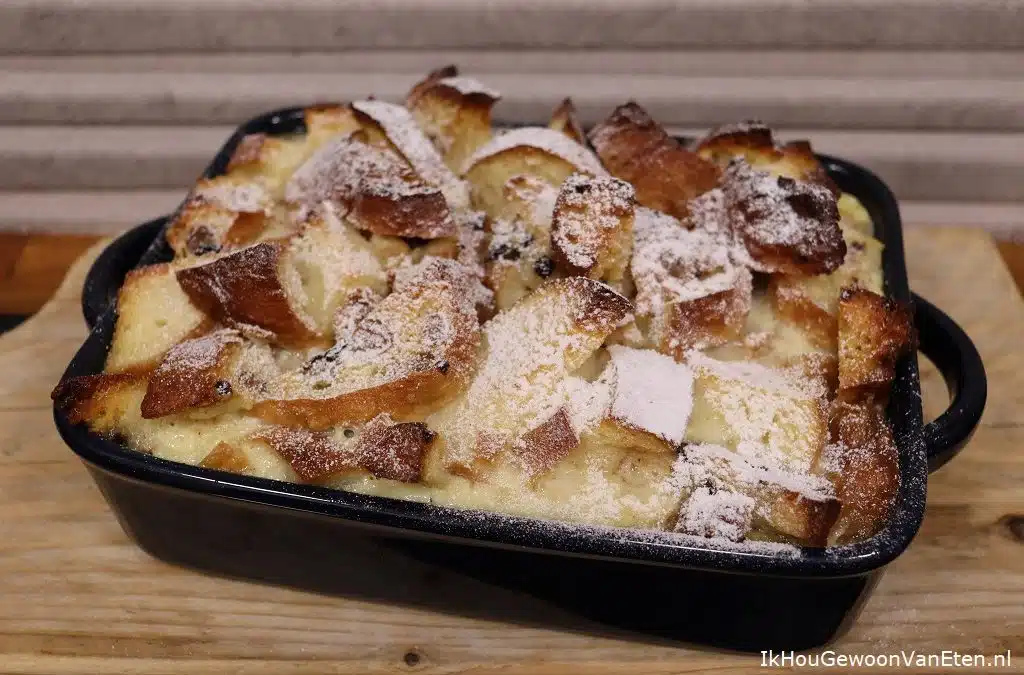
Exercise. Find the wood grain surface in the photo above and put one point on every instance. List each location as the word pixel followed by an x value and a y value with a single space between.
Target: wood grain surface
pixel 77 597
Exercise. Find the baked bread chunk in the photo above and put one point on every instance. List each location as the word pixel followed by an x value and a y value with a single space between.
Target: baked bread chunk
pixel 637 149
pixel 609 330
pixel 754 142
pixel 454 112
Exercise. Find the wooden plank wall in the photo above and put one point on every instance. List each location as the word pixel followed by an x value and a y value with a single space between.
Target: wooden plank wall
pixel 109 108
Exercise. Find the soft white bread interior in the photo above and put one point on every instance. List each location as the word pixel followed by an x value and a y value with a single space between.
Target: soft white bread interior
pixel 538 152
pixel 153 315
pixel 454 112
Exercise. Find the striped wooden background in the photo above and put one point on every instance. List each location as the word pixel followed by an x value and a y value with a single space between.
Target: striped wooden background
pixel 109 108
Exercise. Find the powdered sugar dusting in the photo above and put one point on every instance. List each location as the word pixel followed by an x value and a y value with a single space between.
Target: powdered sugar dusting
pixel 588 212
pixel 652 392
pixel 199 354
pixel 553 142
pixel 241 197
pixel 403 132
pixel 468 86
pixel 781 216
pixel 673 264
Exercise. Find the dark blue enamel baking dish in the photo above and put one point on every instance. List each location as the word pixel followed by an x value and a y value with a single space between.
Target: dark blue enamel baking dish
pixel 286 533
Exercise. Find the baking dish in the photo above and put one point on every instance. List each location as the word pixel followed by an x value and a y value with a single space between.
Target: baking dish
pixel 735 599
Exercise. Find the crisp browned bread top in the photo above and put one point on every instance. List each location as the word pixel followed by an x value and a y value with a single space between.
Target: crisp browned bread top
pixel 637 149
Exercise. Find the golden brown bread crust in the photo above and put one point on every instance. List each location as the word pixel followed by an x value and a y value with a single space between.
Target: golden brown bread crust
pixel 373 188
pixel 544 446
pixel 787 226
pixel 413 383
pixel 394 451
pixel 754 142
pixel 592 227
pixel 564 119
pixel 596 308
pixel 874 332
pixel 404 136
pixel 226 457
pixel 808 521
pixel 820 326
pixel 455 113
pixel 868 475
pixel 637 149
pixel 248 288
pixel 82 398
pixel 193 374
pixel 705 322
pixel 315 456
pixel 384 450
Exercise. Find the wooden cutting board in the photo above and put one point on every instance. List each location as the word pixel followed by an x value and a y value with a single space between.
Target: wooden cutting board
pixel 77 597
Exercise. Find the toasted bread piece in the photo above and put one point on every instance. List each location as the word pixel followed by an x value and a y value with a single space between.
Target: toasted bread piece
pixel 537 152
pixel 394 451
pixel 753 141
pixel 402 132
pixel 324 122
pixel 373 188
pixel 102 399
pixel 776 497
pixel 637 149
pixel 650 403
pixel 785 225
pixel 547 444
pixel 531 350
pixel 313 455
pixel 153 315
pixel 592 227
pixel 194 373
pixel 688 285
pixel 267 160
pixel 333 260
pixel 874 332
pixel 868 475
pixel 746 405
pixel 813 302
pixel 253 288
pixel 409 354
pixel 806 520
pixel 221 211
pixel 564 119
pixel 382 448
pixel 518 254
pixel 454 112
pixel 716 513
pixel 226 457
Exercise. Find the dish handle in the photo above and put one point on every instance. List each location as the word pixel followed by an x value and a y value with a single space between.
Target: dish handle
pixel 956 357
pixel 112 265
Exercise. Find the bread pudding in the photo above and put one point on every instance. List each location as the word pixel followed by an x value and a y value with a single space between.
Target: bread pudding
pixel 612 328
